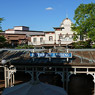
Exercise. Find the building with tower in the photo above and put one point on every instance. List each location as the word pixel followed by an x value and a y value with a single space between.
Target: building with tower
pixel 61 36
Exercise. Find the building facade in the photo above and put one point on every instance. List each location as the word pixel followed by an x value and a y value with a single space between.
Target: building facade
pixel 61 36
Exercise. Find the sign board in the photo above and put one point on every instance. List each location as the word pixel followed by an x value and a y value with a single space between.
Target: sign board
pixel 52 55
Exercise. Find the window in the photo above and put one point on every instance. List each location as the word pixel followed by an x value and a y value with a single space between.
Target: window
pixel 50 38
pixel 34 40
pixel 67 35
pixel 41 40
pixel 60 36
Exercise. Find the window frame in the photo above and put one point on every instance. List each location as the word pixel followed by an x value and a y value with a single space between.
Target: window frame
pixel 50 38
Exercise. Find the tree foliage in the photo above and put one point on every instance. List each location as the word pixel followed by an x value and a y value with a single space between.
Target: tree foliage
pixel 85 21
pixel 1 19
pixel 2 39
pixel 81 44
pixel 3 42
pixel 24 47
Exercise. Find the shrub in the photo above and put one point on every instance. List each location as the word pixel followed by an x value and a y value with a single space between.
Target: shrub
pixel 24 47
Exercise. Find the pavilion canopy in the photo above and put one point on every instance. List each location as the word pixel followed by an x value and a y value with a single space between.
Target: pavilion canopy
pixel 22 57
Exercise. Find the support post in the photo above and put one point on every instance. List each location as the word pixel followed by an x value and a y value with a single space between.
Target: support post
pixel 67 80
pixel 13 79
pixel 49 52
pixel 67 52
pixel 94 82
pixel 94 88
pixel 5 76
pixel 75 71
pixel 63 77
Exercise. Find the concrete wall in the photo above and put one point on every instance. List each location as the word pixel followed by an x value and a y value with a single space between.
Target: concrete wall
pixel 12 32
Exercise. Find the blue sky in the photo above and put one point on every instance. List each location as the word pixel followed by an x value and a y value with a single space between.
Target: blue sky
pixel 37 14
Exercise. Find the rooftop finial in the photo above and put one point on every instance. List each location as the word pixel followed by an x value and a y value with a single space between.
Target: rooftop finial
pixel 66 14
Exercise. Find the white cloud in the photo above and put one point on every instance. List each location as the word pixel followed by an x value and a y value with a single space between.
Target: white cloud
pixel 49 8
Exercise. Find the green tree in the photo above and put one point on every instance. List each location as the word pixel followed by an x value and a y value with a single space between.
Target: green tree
pixel 82 44
pixel 84 21
pixel 1 19
pixel 2 39
pixel 2 42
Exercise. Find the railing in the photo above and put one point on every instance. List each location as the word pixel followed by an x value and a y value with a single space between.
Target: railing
pixel 51 42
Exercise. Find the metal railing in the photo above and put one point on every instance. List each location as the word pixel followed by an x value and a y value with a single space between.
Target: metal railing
pixel 52 42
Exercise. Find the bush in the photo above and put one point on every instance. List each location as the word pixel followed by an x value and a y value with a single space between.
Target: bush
pixel 24 47
pixel 93 46
pixel 5 45
pixel 82 44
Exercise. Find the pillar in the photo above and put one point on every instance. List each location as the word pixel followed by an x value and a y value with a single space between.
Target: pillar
pixel 5 77
pixel 13 79
pixel 63 77
pixel 94 82
pixel 9 76
pixel 67 80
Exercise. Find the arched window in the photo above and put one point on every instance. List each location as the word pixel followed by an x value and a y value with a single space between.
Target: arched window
pixel 34 40
pixel 60 36
pixel 67 35
pixel 50 38
pixel 41 40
